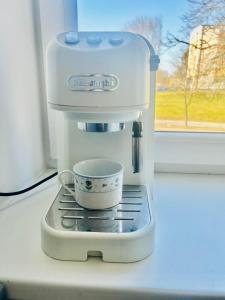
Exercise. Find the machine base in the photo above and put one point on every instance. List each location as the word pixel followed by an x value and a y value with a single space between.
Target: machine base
pixel 123 233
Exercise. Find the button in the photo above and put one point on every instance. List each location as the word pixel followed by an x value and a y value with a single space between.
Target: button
pixel 94 41
pixel 116 41
pixel 71 38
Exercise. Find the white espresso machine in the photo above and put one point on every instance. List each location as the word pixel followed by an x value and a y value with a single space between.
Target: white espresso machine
pixel 102 85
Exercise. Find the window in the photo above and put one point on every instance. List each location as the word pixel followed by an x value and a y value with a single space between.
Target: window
pixel 189 36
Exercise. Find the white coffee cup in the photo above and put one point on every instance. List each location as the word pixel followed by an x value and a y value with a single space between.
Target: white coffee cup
pixel 98 183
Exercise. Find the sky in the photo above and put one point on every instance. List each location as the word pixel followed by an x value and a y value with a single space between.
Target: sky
pixel 112 15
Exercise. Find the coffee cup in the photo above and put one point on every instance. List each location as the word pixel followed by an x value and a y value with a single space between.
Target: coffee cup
pixel 97 183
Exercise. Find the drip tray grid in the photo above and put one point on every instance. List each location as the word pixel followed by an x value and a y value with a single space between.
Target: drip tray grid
pixel 131 214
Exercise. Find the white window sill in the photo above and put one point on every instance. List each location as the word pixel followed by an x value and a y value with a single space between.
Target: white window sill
pixel 190 152
pixel 188 260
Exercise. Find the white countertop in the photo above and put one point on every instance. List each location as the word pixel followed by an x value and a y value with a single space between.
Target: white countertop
pixel 189 256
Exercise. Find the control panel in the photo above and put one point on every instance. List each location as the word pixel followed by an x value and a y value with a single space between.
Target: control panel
pixel 91 39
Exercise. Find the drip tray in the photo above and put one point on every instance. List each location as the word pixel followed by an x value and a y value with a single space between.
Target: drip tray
pixel 131 214
pixel 123 233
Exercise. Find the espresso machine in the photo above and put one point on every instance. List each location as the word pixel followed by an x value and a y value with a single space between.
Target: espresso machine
pixel 102 85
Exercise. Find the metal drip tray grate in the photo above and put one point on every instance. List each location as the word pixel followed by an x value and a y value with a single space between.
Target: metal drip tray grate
pixel 131 214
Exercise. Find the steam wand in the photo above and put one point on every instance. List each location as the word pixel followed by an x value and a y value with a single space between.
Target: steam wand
pixel 137 147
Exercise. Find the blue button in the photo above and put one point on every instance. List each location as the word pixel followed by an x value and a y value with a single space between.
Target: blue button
pixel 71 38
pixel 116 41
pixel 94 41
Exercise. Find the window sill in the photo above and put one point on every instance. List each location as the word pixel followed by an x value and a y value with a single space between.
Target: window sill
pixel 185 262
pixel 186 152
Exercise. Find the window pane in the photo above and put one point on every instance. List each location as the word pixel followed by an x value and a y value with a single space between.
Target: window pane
pixel 189 37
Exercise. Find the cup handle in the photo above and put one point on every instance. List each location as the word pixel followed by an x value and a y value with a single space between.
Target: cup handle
pixel 63 183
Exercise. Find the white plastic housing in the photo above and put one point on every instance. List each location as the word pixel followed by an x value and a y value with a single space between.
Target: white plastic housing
pixel 99 72
pixel 131 62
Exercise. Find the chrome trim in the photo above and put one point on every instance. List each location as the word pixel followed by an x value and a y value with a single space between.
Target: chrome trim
pixel 100 127
pixel 93 82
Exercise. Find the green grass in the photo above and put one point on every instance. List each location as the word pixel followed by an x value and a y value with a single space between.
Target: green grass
pixel 203 107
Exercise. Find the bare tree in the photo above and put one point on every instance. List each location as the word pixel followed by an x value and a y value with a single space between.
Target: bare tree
pixel 180 82
pixel 163 80
pixel 150 28
pixel 200 12
pixel 203 12
pixel 204 49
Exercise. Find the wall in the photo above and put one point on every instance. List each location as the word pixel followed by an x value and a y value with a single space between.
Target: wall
pixel 21 132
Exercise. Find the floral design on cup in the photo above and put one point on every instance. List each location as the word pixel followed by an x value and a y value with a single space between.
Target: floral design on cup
pixel 88 184
pixel 98 183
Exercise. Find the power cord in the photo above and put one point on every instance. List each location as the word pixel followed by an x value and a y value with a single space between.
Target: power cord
pixel 29 188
